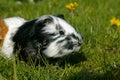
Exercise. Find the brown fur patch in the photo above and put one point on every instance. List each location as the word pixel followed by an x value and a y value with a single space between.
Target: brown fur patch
pixel 3 31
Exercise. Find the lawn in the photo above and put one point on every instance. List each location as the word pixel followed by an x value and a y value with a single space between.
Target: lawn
pixel 99 57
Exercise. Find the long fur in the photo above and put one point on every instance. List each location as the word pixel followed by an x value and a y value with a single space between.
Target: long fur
pixel 49 36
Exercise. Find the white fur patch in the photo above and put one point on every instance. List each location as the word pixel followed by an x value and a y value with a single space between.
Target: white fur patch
pixel 52 49
pixel 50 28
pixel 57 50
pixel 13 24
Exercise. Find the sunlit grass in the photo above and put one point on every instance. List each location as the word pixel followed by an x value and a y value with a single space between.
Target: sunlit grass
pixel 99 57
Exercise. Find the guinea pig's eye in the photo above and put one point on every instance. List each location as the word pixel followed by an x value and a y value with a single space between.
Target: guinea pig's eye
pixel 61 32
pixel 53 34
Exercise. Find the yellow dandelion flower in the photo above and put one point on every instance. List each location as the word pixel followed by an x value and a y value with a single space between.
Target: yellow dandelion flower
pixel 118 23
pixel 113 21
pixel 72 6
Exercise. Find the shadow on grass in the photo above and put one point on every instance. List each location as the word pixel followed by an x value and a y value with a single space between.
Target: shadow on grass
pixel 73 59
pixel 113 74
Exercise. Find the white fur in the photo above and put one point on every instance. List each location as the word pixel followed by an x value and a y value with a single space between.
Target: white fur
pixel 68 28
pixel 53 49
pixel 13 24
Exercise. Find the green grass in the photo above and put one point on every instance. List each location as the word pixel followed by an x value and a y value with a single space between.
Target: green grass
pixel 99 57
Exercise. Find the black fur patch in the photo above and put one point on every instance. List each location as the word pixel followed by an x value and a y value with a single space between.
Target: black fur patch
pixel 29 38
pixel 61 16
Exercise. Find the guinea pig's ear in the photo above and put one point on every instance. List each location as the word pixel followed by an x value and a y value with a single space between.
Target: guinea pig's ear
pixel 61 16
pixel 46 20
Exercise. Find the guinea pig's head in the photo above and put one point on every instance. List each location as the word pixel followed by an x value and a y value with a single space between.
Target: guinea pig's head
pixel 57 36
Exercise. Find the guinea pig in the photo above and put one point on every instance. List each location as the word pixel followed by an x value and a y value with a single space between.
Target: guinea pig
pixel 49 36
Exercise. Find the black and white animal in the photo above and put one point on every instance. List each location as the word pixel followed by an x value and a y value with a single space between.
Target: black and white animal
pixel 47 35
pixel 31 1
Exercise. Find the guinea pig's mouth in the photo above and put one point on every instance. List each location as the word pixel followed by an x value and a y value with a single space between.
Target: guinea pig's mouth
pixel 72 46
pixel 59 50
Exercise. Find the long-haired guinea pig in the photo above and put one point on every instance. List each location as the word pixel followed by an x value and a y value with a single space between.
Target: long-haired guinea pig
pixel 47 35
